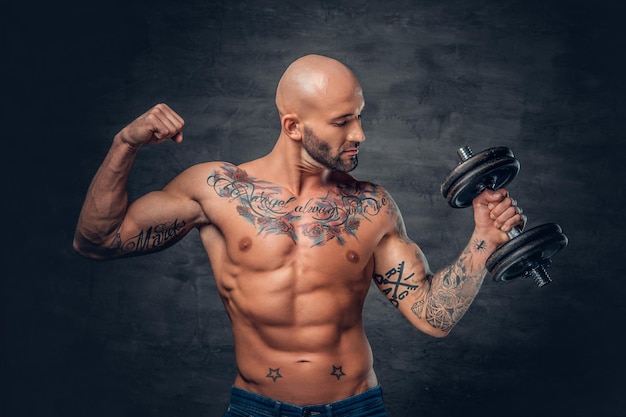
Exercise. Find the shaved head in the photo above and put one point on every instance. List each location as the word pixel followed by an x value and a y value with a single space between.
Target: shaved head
pixel 320 102
pixel 309 82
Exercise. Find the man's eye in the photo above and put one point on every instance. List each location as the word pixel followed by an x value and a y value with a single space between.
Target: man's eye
pixel 339 124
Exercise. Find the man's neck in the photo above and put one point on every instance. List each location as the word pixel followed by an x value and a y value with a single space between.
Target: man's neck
pixel 285 166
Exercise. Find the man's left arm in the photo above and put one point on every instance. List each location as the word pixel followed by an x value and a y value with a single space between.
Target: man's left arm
pixel 436 302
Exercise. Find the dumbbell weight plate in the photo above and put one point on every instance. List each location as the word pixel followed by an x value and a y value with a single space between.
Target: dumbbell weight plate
pixel 528 250
pixel 492 168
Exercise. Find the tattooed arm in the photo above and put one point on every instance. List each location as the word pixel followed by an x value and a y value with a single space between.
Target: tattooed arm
pixel 107 226
pixel 435 302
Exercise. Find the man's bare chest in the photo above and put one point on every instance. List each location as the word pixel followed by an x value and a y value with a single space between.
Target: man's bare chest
pixel 339 213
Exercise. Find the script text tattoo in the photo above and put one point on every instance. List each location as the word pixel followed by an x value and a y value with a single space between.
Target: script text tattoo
pixel 335 216
pixel 150 239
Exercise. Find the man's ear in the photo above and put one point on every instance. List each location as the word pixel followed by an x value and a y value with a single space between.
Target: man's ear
pixel 292 126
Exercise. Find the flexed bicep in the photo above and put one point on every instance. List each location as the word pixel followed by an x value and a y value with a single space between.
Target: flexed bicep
pixel 106 226
pixel 402 273
pixel 150 224
pixel 401 270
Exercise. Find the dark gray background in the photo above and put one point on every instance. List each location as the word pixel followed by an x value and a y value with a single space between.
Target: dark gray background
pixel 148 337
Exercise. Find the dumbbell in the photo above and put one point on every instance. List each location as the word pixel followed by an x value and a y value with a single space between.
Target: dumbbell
pixel 526 254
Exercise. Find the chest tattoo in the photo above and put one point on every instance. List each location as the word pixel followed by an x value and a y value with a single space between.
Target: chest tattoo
pixel 334 216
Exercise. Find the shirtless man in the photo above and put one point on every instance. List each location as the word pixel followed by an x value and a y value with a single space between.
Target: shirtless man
pixel 294 242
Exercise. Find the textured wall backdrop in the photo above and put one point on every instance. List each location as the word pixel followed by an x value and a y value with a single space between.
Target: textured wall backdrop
pixel 149 337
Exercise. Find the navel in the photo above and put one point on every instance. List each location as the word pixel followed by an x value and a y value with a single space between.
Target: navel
pixel 245 244
pixel 353 256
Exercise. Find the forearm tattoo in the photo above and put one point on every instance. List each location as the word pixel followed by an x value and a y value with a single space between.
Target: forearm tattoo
pixel 335 216
pixel 151 239
pixel 452 291
pixel 479 245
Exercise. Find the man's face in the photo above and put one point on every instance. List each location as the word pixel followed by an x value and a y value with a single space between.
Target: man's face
pixel 342 159
pixel 332 138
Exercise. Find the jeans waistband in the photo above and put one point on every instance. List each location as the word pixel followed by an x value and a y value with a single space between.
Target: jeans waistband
pixel 365 403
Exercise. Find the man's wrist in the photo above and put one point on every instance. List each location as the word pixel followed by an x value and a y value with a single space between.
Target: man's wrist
pixel 490 240
pixel 119 140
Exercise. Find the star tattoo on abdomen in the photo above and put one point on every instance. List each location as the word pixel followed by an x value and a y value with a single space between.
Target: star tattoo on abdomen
pixel 338 372
pixel 274 374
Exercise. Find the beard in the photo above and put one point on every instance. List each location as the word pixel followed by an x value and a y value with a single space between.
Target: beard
pixel 320 152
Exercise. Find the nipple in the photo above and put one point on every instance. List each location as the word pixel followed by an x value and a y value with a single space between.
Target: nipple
pixel 245 244
pixel 353 256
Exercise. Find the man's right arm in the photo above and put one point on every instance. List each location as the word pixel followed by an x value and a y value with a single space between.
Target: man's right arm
pixel 107 226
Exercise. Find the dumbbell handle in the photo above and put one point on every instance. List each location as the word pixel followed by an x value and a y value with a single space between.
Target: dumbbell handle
pixel 466 153
pixel 514 232
pixel 538 273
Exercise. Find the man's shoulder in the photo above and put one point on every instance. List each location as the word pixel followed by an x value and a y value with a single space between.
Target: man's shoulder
pixel 347 181
pixel 207 169
pixel 193 179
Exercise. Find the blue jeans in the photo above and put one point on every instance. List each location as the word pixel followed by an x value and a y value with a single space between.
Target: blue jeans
pixel 248 404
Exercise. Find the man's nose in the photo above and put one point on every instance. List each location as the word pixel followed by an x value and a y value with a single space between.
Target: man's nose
pixel 357 134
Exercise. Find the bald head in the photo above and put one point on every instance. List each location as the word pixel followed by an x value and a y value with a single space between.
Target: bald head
pixel 311 81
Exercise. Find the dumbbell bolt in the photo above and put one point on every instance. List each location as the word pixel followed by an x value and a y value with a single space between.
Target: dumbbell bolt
pixel 536 271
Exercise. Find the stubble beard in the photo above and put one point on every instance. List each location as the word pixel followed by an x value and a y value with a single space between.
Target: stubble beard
pixel 320 152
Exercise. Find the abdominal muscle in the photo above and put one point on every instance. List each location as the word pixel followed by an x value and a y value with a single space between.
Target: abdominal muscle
pixel 299 336
pixel 296 316
pixel 309 371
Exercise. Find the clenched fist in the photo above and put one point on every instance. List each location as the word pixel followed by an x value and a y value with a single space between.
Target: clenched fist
pixel 158 124
pixel 496 213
